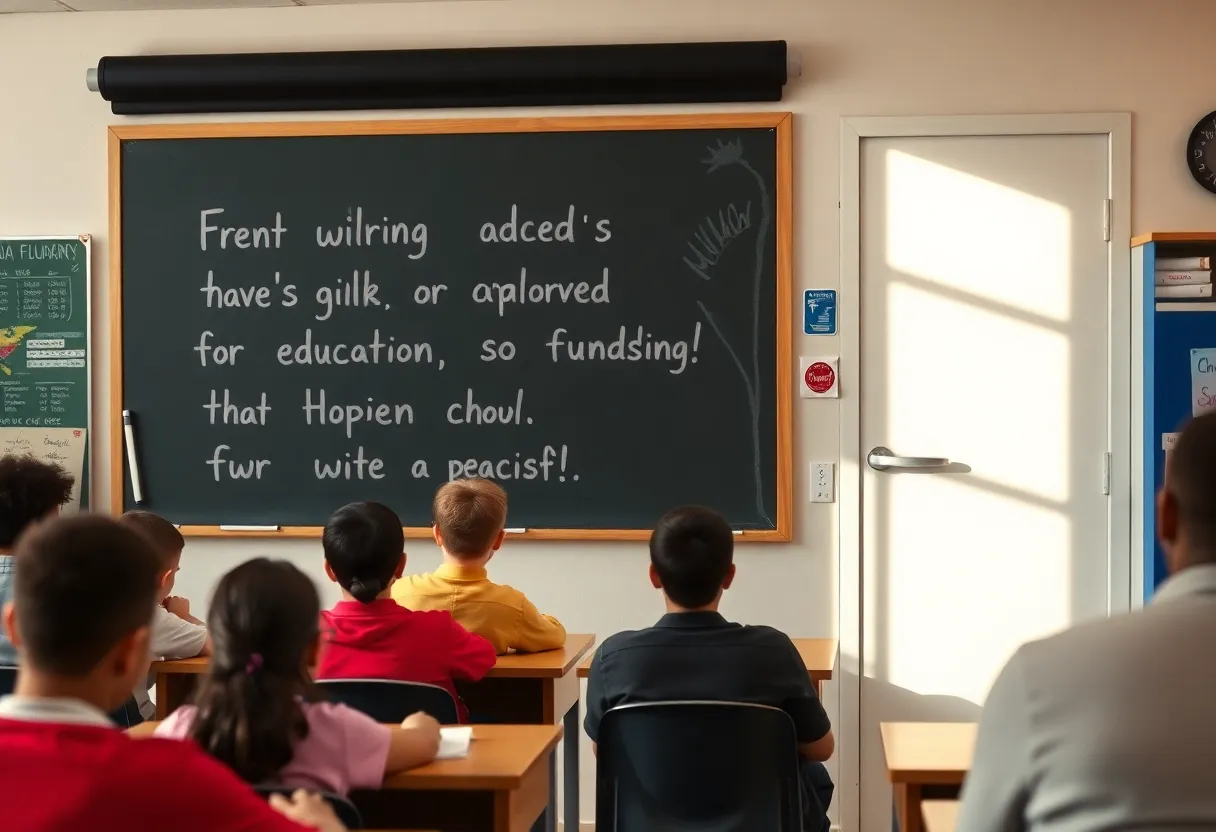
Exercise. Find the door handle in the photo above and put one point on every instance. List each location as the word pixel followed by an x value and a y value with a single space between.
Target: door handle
pixel 881 459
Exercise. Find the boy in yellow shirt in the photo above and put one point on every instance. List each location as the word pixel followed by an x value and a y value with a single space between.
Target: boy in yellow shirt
pixel 470 516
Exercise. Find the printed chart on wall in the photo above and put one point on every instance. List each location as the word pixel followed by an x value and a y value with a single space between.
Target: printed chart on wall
pixel 44 352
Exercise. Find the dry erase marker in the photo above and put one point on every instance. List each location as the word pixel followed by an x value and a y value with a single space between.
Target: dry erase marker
pixel 128 430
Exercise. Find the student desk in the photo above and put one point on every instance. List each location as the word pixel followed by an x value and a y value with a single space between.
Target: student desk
pixel 925 760
pixel 818 654
pixel 940 815
pixel 502 785
pixel 522 688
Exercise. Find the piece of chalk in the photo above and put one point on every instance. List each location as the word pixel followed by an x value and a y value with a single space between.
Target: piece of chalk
pixel 514 531
pixel 736 531
pixel 249 528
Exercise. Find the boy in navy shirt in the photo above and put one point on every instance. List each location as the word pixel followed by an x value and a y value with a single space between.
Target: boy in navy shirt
pixel 693 653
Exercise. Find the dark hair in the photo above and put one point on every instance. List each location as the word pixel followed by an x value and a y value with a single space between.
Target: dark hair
pixel 1190 477
pixel 691 549
pixel 29 490
pixel 163 535
pixel 363 544
pixel 264 616
pixel 82 584
pixel 470 514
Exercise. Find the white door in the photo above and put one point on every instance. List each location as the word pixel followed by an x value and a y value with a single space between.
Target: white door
pixel 984 341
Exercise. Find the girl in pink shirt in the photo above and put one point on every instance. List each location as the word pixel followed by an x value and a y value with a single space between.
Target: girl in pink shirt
pixel 256 709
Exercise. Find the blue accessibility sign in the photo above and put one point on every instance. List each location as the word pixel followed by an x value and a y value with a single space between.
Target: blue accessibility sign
pixel 819 312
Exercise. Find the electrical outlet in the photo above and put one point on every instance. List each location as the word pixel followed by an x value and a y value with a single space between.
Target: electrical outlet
pixel 823 482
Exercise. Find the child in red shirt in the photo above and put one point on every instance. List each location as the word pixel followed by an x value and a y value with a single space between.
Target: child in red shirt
pixel 84 592
pixel 369 636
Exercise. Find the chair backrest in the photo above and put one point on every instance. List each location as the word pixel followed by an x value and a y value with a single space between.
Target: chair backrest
pixel 8 679
pixel 712 766
pixel 390 701
pixel 343 808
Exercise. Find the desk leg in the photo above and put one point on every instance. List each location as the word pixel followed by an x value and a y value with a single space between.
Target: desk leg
pixel 570 739
pixel 162 696
pixel 907 807
pixel 550 815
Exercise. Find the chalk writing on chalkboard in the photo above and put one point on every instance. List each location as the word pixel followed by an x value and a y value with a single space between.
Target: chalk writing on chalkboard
pixel 710 241
pixel 340 346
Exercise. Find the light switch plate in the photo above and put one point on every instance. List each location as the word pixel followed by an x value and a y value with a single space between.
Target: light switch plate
pixel 823 482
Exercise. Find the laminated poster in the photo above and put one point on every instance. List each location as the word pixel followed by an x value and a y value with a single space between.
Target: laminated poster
pixel 62 446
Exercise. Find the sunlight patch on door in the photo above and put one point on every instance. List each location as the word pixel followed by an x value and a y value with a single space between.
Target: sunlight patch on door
pixel 993 392
pixel 977 236
pixel 1003 564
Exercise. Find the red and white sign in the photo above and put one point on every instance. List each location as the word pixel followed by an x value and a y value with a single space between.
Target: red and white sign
pixel 820 378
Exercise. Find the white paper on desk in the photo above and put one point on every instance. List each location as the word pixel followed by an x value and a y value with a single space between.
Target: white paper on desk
pixel 454 743
pixel 62 446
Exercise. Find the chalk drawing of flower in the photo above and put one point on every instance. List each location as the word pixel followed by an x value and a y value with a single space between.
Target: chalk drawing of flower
pixel 728 154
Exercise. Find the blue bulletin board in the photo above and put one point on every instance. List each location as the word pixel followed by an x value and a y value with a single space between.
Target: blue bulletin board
pixel 1177 333
pixel 1170 331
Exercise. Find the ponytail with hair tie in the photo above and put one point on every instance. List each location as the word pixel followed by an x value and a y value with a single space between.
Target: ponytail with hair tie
pixel 365 590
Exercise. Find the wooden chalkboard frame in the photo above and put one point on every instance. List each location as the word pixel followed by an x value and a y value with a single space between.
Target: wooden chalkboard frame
pixel 781 122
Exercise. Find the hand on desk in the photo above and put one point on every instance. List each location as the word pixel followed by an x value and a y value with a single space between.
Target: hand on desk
pixel 426 726
pixel 308 810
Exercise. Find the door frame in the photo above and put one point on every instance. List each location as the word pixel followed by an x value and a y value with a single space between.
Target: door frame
pixel 1117 129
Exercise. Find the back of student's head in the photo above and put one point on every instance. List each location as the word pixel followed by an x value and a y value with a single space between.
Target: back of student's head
pixel 263 622
pixel 363 545
pixel 692 549
pixel 30 490
pixel 470 514
pixel 1190 488
pixel 163 535
pixel 83 585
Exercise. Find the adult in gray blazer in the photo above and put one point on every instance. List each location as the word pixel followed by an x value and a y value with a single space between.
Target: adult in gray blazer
pixel 1112 725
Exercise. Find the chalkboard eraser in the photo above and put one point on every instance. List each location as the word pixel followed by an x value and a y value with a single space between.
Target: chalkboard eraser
pixel 514 531
pixel 224 528
pixel 736 531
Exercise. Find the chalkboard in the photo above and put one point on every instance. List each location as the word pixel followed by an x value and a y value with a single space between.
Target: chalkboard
pixel 594 312
pixel 45 351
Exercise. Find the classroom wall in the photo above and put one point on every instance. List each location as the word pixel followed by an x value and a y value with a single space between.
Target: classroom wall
pixel 860 57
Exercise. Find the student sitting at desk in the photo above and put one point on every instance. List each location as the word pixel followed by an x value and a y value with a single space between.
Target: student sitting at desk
pixel 83 595
pixel 256 709
pixel 470 516
pixel 370 636
pixel 30 490
pixel 1112 724
pixel 693 653
pixel 176 634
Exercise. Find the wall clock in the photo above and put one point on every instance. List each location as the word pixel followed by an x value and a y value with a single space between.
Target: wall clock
pixel 1201 152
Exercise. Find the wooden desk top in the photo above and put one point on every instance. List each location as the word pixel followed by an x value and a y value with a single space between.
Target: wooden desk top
pixel 551 664
pixel 928 752
pixel 499 756
pixel 940 815
pixel 818 654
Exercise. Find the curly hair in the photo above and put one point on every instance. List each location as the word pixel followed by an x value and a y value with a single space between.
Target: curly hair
pixel 30 489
